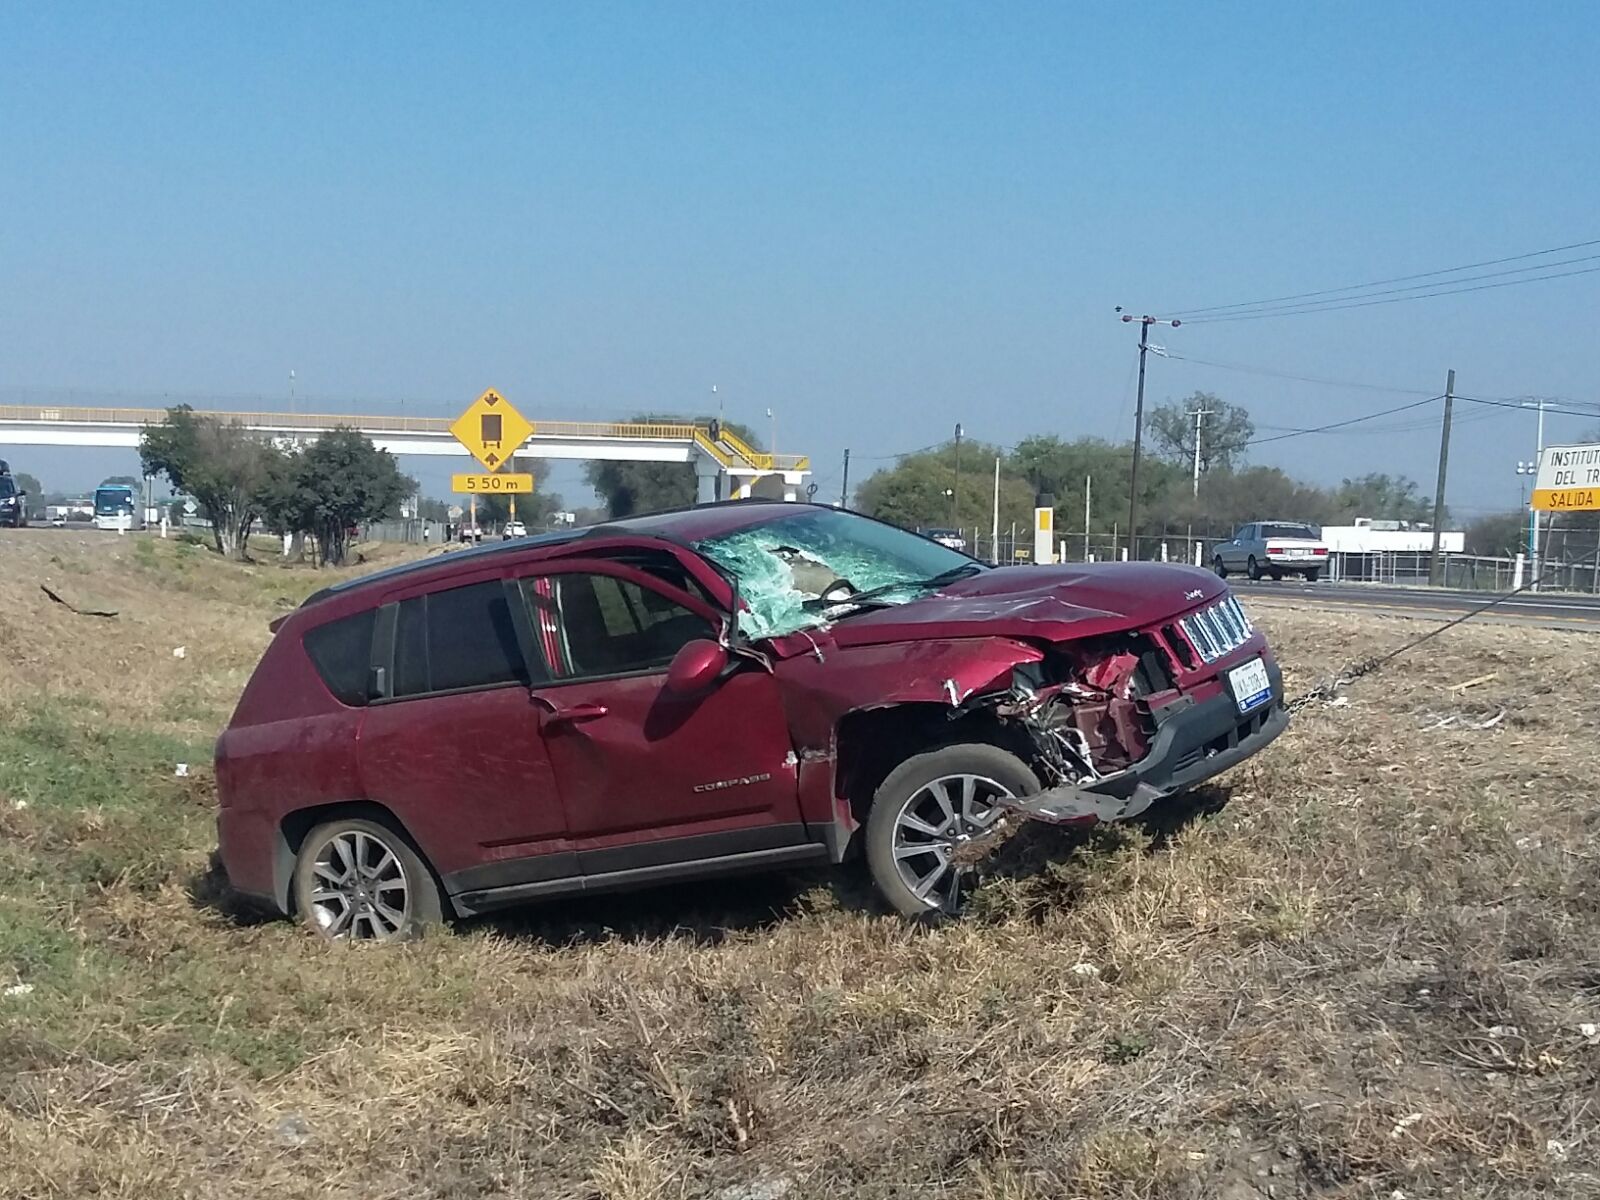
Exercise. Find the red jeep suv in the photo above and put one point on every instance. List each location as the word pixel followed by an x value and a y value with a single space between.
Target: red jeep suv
pixel 730 688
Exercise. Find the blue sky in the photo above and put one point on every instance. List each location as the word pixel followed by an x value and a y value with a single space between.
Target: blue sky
pixel 877 219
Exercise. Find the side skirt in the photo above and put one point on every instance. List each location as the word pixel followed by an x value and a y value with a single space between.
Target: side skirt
pixel 470 903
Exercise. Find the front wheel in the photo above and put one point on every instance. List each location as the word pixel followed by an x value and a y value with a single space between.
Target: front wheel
pixel 358 880
pixel 926 811
pixel 1220 567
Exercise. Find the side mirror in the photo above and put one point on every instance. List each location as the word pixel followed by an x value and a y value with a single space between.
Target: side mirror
pixel 696 666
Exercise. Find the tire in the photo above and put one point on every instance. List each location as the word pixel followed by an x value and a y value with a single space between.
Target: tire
pixel 364 910
pixel 1253 568
pixel 1311 575
pixel 920 884
pixel 1276 575
pixel 1219 567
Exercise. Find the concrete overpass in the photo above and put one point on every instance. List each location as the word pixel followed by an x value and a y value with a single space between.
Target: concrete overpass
pixel 725 466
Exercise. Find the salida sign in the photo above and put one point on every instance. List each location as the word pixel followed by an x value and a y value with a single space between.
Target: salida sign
pixel 1568 480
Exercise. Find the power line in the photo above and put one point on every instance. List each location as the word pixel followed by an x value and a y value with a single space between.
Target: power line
pixel 1453 291
pixel 1342 383
pixel 1342 424
pixel 1525 405
pixel 1360 287
pixel 1319 305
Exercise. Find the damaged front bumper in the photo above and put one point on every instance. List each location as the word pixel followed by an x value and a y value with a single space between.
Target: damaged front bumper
pixel 1194 741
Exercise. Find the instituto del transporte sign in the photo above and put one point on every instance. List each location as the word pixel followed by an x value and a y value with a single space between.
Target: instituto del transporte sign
pixel 1568 480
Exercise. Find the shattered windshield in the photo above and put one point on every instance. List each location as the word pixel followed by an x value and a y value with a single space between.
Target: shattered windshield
pixel 785 567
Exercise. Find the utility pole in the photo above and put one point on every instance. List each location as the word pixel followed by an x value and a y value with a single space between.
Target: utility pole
pixel 1533 513
pixel 955 493
pixel 994 528
pixel 1088 497
pixel 1138 424
pixel 1198 414
pixel 844 488
pixel 1444 463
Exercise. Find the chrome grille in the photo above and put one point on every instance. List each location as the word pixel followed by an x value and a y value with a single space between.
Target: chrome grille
pixel 1219 629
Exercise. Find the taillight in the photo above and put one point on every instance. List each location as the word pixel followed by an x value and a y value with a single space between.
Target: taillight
pixel 1271 549
pixel 1320 551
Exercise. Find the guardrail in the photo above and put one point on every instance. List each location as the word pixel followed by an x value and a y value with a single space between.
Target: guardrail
pixel 764 460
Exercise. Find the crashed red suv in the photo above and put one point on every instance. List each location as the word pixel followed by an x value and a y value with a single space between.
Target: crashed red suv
pixel 730 688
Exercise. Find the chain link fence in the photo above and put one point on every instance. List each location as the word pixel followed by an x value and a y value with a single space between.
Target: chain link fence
pixel 1572 567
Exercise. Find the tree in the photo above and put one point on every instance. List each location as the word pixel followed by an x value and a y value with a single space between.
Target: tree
pixel 338 482
pixel 1225 431
pixel 916 493
pixel 122 481
pixel 30 484
pixel 1065 469
pixel 1502 535
pixel 628 488
pixel 220 463
pixel 1383 497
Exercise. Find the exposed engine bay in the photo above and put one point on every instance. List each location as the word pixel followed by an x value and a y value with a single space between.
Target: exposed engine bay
pixel 1086 710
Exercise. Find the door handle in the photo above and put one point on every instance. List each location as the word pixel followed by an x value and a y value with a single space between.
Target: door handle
pixel 552 714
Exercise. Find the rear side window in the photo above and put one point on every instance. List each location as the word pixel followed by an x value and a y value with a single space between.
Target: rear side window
pixel 461 638
pixel 341 651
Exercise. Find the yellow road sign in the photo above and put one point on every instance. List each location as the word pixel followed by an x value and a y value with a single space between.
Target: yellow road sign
pixel 500 483
pixel 1567 499
pixel 491 430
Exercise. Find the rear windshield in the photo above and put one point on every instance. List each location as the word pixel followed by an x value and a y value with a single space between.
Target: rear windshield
pixel 342 653
pixel 1289 531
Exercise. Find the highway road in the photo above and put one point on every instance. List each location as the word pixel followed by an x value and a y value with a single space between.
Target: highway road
pixel 1559 610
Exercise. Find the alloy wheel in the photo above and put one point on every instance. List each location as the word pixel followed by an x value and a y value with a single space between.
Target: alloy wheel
pixel 359 888
pixel 934 824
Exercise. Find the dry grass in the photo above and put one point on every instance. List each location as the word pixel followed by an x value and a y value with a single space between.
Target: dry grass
pixel 1365 966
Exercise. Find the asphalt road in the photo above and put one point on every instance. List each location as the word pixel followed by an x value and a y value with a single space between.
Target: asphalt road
pixel 1540 610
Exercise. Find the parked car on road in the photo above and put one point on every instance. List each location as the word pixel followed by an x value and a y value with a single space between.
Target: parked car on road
pixel 1275 548
pixel 13 501
pixel 736 687
pixel 952 538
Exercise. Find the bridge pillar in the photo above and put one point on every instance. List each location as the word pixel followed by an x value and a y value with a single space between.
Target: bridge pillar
pixel 707 480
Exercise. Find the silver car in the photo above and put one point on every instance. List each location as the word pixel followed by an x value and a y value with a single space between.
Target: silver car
pixel 1275 548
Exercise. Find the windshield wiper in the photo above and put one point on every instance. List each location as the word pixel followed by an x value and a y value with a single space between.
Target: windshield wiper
pixel 877 594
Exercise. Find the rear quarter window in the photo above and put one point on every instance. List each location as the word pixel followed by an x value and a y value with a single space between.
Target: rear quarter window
pixel 341 651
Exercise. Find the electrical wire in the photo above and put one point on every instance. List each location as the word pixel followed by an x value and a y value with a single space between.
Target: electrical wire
pixel 1342 424
pixel 1275 374
pixel 1453 291
pixel 1361 287
pixel 1550 409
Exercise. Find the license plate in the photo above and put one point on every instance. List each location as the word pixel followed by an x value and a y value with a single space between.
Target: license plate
pixel 1250 684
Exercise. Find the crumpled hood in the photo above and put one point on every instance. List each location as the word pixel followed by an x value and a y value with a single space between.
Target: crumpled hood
pixel 1050 603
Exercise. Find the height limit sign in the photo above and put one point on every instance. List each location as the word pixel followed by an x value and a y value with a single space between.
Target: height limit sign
pixel 491 430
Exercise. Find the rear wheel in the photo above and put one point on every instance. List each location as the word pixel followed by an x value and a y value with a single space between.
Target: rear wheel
pixel 1276 574
pixel 1311 575
pixel 1253 568
pixel 358 880
pixel 925 813
pixel 1220 567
